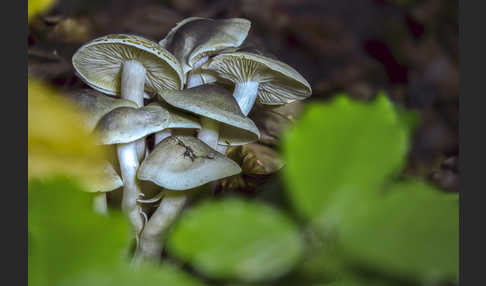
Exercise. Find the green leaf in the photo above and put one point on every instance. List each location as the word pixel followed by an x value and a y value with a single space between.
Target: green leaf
pixel 71 245
pixel 66 236
pixel 412 232
pixel 237 239
pixel 145 274
pixel 340 147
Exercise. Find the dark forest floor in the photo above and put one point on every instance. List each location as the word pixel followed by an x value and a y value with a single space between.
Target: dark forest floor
pixel 407 48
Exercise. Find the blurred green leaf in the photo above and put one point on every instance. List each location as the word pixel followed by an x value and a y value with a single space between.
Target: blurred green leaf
pixel 412 232
pixel 71 245
pixel 342 146
pixel 322 260
pixel 145 274
pixel 236 239
pixel 66 237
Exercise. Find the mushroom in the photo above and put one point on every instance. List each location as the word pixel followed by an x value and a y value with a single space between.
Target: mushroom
pixel 95 105
pixel 177 120
pixel 108 180
pixel 221 119
pixel 124 126
pixel 178 163
pixel 127 65
pixel 194 39
pixel 253 74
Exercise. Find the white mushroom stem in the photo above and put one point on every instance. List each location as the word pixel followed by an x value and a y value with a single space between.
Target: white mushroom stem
pixel 129 164
pixel 132 88
pixel 209 132
pixel 245 94
pixel 150 247
pixel 133 81
pixel 159 136
pixel 99 203
pixel 196 79
pixel 222 149
pixel 141 150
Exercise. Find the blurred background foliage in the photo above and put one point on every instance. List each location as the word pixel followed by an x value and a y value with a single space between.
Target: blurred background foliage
pixel 369 191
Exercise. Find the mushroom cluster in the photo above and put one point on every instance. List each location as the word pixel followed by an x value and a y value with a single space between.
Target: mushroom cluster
pixel 192 92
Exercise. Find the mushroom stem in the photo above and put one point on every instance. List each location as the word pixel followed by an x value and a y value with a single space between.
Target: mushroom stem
pixel 209 132
pixel 99 203
pixel 140 146
pixel 127 156
pixel 222 149
pixel 245 94
pixel 150 247
pixel 132 88
pixel 133 81
pixel 159 136
pixel 196 79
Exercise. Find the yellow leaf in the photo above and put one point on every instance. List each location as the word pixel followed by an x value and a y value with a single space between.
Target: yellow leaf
pixel 37 6
pixel 58 142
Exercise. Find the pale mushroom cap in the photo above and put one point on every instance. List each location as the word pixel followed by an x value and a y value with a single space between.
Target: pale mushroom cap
pixel 185 162
pixel 107 180
pixel 95 105
pixel 126 124
pixel 99 63
pixel 179 119
pixel 279 83
pixel 196 37
pixel 216 103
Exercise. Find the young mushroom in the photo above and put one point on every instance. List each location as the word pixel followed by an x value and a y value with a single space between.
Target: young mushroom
pixel 108 180
pixel 124 126
pixel 178 163
pixel 95 105
pixel 221 119
pixel 194 39
pixel 253 74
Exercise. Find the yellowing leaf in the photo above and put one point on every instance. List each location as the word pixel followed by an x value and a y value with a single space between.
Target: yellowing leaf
pixel 37 6
pixel 58 143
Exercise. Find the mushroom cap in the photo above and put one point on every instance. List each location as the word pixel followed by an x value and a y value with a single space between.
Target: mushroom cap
pixel 279 83
pixel 196 37
pixel 99 62
pixel 106 181
pixel 127 124
pixel 217 103
pixel 96 105
pixel 178 119
pixel 185 162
